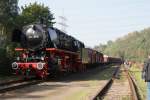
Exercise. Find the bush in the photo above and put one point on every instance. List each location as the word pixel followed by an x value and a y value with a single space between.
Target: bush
pixel 5 63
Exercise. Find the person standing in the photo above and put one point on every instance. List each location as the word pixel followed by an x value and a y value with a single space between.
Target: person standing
pixel 146 75
pixel 126 64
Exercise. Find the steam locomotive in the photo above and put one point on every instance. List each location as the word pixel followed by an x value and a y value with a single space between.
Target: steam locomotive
pixel 36 37
pixel 45 51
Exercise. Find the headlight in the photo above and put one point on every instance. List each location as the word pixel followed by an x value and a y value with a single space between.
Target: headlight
pixel 14 65
pixel 40 66
pixel 42 58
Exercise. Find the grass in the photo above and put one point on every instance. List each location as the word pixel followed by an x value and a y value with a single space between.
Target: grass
pixel 136 72
pixel 126 98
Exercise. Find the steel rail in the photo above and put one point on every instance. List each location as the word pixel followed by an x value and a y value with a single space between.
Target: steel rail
pixel 133 87
pixel 14 81
pixel 18 85
pixel 104 89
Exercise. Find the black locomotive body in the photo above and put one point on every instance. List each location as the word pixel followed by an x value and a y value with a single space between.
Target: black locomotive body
pixel 37 36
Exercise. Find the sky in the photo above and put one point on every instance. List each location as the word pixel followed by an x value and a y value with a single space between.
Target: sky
pixel 98 21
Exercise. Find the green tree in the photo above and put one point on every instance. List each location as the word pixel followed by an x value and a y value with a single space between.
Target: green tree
pixel 8 12
pixel 109 42
pixel 100 47
pixel 34 13
pixel 134 46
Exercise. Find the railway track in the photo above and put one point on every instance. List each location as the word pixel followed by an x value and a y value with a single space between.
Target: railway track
pixel 133 88
pixel 87 82
pixel 14 81
pixel 104 90
pixel 21 83
pixel 17 84
pixel 7 89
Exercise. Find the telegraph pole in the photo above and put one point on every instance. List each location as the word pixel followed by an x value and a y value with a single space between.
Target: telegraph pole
pixel 62 23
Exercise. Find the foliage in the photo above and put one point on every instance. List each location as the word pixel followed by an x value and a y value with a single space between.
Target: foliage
pixel 8 12
pixel 35 13
pixel 100 47
pixel 4 63
pixel 134 46
pixel 137 73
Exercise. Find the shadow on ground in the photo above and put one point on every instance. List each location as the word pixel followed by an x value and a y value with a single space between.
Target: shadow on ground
pixel 95 74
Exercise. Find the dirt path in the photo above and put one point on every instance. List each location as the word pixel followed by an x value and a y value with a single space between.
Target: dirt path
pixel 81 86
